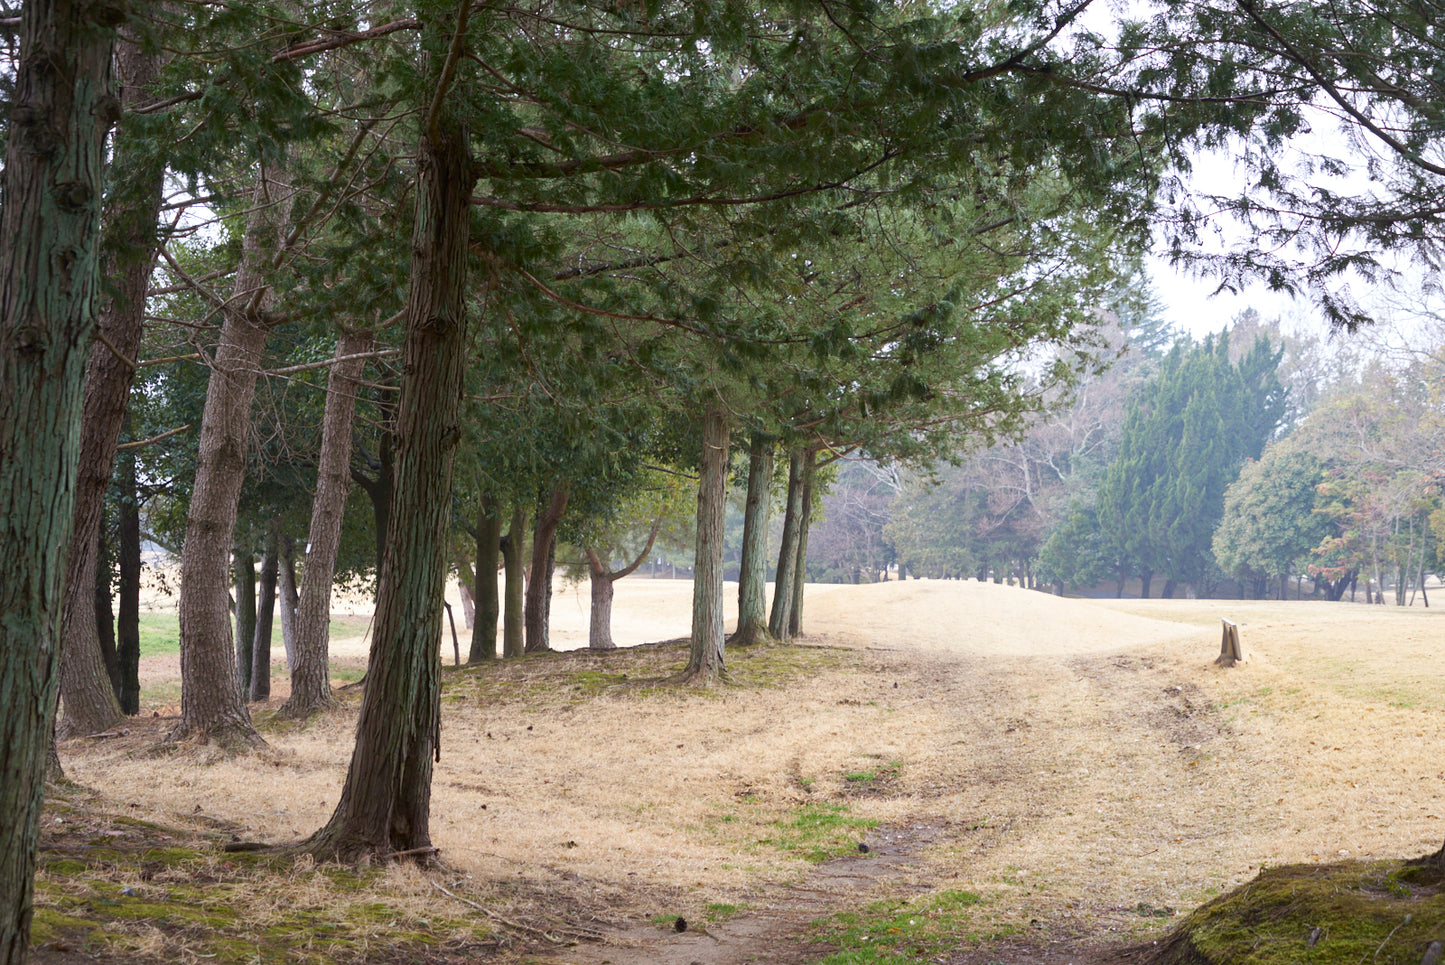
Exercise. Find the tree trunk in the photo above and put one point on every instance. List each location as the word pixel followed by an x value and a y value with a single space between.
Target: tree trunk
pixel 1145 578
pixel 753 567
pixel 489 548
pixel 311 651
pixel 599 624
pixel 513 637
pixel 466 582
pixel 385 803
pixel 50 192
pixel 212 705
pixel 800 562
pixel 127 648
pixel 265 615
pixel 287 599
pixel 104 600
pixel 705 660
pixel 243 568
pixel 128 250
pixel 788 554
pixel 539 589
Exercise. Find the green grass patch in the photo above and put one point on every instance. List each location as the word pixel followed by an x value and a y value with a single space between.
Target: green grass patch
pixel 160 633
pixel 1381 913
pixel 820 832
pixel 896 932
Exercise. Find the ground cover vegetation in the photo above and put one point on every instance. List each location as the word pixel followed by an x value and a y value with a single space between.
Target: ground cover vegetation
pixel 630 236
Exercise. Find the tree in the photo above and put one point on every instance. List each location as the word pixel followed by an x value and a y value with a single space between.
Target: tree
pixel 50 195
pixel 1074 553
pixel 1270 523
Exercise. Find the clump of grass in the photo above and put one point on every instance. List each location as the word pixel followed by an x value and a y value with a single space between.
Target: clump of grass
pixel 896 932
pixel 1380 912
pixel 820 832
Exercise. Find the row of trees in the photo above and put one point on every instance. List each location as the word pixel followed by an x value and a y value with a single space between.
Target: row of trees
pixel 629 232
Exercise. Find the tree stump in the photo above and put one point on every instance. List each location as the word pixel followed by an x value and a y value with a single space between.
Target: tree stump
pixel 1231 650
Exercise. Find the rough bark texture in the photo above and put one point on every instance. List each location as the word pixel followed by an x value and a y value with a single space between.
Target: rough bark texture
pixel 265 621
pixel 800 561
pixel 513 639
pixel 49 287
pixel 212 705
pixel 127 252
pixel 782 610
pixel 244 573
pixel 286 598
pixel 705 659
pixel 753 568
pixel 539 590
pixel 489 550
pixel 385 803
pixel 310 666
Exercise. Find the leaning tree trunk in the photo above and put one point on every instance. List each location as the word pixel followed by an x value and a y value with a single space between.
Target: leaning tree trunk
pixel 128 250
pixel 385 803
pixel 489 548
pixel 212 705
pixel 310 669
pixel 788 553
pixel 800 560
pixel 753 568
pixel 49 288
pixel 513 637
pixel 705 659
pixel 539 588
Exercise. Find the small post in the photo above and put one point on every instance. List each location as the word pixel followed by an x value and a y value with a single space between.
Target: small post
pixel 1231 650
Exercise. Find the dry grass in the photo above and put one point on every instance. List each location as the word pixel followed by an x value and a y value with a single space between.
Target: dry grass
pixel 1086 763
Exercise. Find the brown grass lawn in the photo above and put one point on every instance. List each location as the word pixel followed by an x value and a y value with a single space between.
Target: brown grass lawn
pixel 1080 767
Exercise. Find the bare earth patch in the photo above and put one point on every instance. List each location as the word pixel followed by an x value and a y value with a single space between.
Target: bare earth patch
pixel 1079 770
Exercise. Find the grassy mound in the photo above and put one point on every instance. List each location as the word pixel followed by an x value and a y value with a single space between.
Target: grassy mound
pixel 1376 912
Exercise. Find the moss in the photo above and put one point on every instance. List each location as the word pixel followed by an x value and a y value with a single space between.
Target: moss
pixel 50 925
pixel 1343 914
pixel 64 866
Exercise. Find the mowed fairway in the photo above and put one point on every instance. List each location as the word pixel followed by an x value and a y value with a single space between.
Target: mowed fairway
pixel 1080 765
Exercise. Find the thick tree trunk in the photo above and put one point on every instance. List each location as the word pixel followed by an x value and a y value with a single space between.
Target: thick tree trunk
pixel 127 648
pixel 243 571
pixel 385 804
pixel 489 609
pixel 800 563
pixel 544 547
pixel 265 619
pixel 378 490
pixel 782 610
pixel 599 624
pixel 513 638
pixel 705 660
pixel 1169 586
pixel 50 188
pixel 212 705
pixel 310 666
pixel 1145 578
pixel 753 567
pixel 128 252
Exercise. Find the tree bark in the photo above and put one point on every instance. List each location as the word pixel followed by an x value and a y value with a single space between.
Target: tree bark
pixel 489 549
pixel 104 600
pixel 310 668
pixel 800 563
pixel 128 250
pixel 539 589
pixel 50 188
pixel 385 803
pixel 753 567
pixel 513 637
pixel 265 617
pixel 212 705
pixel 781 613
pixel 705 659
pixel 244 575
pixel 286 599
